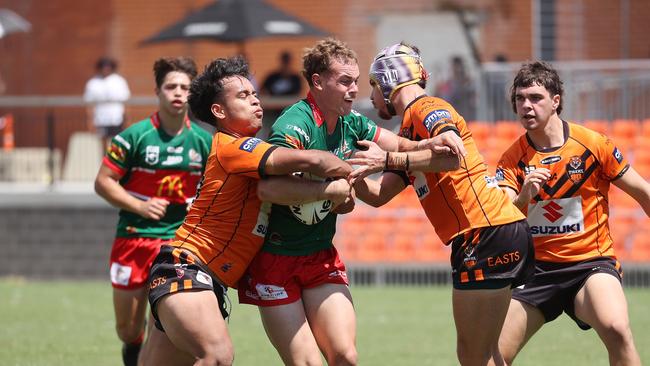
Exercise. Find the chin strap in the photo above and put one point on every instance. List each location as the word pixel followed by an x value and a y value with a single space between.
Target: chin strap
pixel 390 108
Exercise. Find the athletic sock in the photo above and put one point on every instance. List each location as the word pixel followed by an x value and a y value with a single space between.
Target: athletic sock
pixel 131 351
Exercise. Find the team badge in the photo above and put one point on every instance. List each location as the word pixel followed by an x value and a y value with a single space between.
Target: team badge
pixel 180 272
pixel 152 153
pixel 470 259
pixel 529 169
pixel 407 132
pixel 575 169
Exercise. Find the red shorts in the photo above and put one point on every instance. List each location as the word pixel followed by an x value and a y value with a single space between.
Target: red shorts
pixel 273 279
pixel 131 260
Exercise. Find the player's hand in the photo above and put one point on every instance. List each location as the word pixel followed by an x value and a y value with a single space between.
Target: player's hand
pixel 346 206
pixel 337 191
pixel 533 183
pixel 153 208
pixel 372 159
pixel 446 143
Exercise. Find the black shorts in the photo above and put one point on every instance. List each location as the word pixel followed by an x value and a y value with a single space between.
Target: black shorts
pixel 493 257
pixel 175 270
pixel 555 286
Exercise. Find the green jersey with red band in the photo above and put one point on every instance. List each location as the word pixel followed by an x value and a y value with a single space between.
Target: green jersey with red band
pixel 155 164
pixel 301 126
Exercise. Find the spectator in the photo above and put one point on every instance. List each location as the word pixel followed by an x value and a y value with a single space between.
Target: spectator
pixel 283 81
pixel 459 90
pixel 106 92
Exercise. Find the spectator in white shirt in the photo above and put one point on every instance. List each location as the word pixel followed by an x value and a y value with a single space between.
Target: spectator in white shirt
pixel 106 93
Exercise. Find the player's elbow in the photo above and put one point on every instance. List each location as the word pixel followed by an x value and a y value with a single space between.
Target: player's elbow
pixel 264 190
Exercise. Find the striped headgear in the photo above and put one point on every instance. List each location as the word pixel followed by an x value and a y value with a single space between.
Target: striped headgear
pixel 394 67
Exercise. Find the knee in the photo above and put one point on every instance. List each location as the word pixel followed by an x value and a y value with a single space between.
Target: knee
pixel 129 332
pixel 220 355
pixel 347 357
pixel 471 355
pixel 617 333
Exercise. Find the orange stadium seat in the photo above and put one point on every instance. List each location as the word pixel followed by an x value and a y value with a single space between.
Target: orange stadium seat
pixel 508 130
pixel 601 126
pixel 641 242
pixel 624 133
pixel 645 127
pixel 481 131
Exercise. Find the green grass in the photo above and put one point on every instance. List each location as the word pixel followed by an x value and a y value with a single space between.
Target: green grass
pixel 71 323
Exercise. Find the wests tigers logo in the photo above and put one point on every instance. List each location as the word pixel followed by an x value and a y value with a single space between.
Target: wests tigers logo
pixel 575 169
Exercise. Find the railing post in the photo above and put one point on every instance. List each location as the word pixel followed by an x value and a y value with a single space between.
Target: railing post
pixel 49 121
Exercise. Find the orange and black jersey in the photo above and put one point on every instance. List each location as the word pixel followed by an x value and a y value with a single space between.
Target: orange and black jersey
pixel 226 224
pixel 457 201
pixel 568 218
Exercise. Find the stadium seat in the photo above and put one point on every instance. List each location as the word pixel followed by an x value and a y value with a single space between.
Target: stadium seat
pixel 83 158
pixel 624 133
pixel 508 130
pixel 481 131
pixel 601 126
pixel 645 127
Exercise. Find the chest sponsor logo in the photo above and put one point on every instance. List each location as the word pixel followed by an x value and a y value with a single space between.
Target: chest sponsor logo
pixel 434 117
pixel 556 217
pixel 550 160
pixel 250 144
pixel 575 169
pixel 173 160
pixel 171 185
pixel 529 169
pixel 152 154
pixel 617 155
pixel 174 150
pixel 270 292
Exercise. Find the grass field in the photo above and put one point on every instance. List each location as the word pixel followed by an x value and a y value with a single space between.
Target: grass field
pixel 71 323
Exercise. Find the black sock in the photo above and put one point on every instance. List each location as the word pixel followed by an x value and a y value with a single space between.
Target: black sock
pixel 130 353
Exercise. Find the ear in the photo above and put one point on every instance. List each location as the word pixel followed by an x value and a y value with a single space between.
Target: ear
pixel 156 90
pixel 218 111
pixel 317 81
pixel 556 101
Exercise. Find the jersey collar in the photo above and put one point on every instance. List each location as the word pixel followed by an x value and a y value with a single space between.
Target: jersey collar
pixel 318 114
pixel 155 121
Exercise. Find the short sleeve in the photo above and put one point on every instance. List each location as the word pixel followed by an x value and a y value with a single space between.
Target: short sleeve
pixel 245 156
pixel 507 172
pixel 120 152
pixel 289 134
pixel 364 127
pixel 437 117
pixel 614 164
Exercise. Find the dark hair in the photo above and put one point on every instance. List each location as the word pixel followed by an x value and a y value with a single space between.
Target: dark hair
pixel 165 65
pixel 207 88
pixel 317 59
pixel 540 73
pixel 106 61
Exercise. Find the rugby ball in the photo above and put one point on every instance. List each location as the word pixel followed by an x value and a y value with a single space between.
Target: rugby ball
pixel 311 213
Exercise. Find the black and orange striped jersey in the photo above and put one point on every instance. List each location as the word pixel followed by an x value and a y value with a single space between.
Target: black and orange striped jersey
pixel 226 224
pixel 568 218
pixel 457 201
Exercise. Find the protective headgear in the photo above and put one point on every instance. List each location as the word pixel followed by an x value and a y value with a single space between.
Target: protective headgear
pixel 394 67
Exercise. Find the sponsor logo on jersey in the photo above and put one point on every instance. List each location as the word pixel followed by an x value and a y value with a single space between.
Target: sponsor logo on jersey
pixel 226 267
pixel 556 217
pixel 122 141
pixel 575 169
pixel 529 169
pixel 270 292
pixel 617 155
pixel 300 131
pixel 152 153
pixel 551 160
pixel 194 156
pixel 250 144
pixel 171 185
pixel 434 117
pixel 120 275
pixel 262 224
pixel 491 182
pixel 173 160
pixel 420 185
pixel 337 273
pixel 499 176
pixel 158 281
pixel 174 150
pixel 204 278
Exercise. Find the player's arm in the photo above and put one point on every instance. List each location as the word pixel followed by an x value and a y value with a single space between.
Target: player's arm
pixel 107 185
pixel 636 187
pixel 324 164
pixel 379 192
pixel 530 188
pixel 374 160
pixel 291 190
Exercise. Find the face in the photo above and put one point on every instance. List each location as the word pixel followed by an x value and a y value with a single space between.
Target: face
pixel 172 94
pixel 339 86
pixel 535 106
pixel 240 112
pixel 377 98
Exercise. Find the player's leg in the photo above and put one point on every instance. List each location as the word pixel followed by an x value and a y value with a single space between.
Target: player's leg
pixel 289 332
pixel 193 322
pixel 522 321
pixel 601 304
pixel 332 319
pixel 130 308
pixel 160 351
pixel 479 316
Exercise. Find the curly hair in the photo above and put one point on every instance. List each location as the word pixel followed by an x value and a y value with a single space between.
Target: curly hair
pixel 207 88
pixel 540 73
pixel 165 65
pixel 317 59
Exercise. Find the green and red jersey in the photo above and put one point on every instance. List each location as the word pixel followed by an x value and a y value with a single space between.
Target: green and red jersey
pixel 301 126
pixel 155 164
